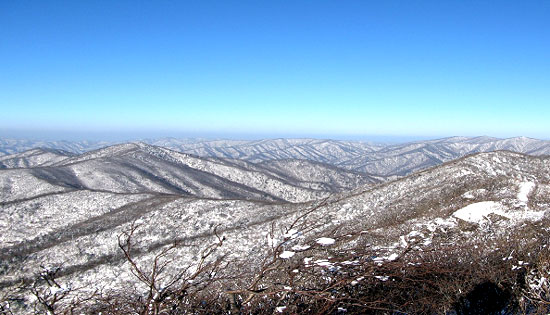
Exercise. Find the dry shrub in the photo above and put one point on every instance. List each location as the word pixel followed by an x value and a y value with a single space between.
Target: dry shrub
pixel 504 275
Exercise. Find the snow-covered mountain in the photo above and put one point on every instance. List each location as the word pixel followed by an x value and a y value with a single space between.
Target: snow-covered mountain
pixel 34 158
pixel 142 168
pixel 325 151
pixel 379 159
pixel 479 199
pixel 11 146
pixel 371 158
pixel 402 159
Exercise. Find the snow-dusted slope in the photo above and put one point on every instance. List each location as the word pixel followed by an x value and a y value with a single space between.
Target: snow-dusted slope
pixel 324 174
pixel 142 168
pixel 402 159
pixel 482 196
pixel 11 146
pixel 385 160
pixel 33 158
pixel 325 151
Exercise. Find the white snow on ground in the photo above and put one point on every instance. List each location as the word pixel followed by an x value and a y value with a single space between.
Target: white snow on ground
pixel 382 259
pixel 353 263
pixel 415 234
pixel 526 215
pixel 473 193
pixel 280 309
pixel 300 247
pixel 525 189
pixel 468 195
pixel 393 257
pixel 286 254
pixel 325 241
pixel 56 290
pixel 323 263
pixel 354 282
pixel 477 212
pixel 382 278
pixel 440 223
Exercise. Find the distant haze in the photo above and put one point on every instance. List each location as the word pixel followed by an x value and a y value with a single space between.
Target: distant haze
pixel 123 136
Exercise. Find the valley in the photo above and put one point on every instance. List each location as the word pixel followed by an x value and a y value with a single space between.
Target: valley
pixel 259 226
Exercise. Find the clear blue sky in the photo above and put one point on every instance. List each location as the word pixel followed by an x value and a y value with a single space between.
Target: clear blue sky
pixel 276 68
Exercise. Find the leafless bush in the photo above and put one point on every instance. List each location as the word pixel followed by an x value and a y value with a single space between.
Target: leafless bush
pixel 535 297
pixel 44 294
pixel 166 291
pixel 506 274
pixel 473 277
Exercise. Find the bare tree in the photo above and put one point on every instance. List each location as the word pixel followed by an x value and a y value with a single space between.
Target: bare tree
pixel 48 291
pixel 167 290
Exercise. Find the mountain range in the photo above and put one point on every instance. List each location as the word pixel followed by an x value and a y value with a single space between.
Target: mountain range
pixel 142 168
pixel 371 158
pixel 307 204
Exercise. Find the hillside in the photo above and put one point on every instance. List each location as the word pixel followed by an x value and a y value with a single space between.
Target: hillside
pixel 34 158
pixel 480 208
pixel 140 168
pixel 390 160
pixel 12 146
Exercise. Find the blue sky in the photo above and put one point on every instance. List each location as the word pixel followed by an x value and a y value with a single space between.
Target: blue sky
pixel 275 68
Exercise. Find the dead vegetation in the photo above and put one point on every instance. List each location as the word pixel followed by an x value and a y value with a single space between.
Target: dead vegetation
pixel 505 275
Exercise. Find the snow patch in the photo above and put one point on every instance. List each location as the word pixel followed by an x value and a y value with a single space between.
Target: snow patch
pixel 323 263
pixel 393 257
pixel 353 263
pixel 381 259
pixel 56 290
pixel 478 212
pixel 300 247
pixel 286 254
pixel 325 241
pixel 415 234
pixel 440 223
pixel 525 189
pixel 356 281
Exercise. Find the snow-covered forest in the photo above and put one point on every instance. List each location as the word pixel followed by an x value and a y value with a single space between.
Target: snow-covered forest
pixel 139 228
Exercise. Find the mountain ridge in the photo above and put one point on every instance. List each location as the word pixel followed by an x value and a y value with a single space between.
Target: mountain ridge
pixel 143 168
pixel 311 218
pixel 429 203
pixel 370 158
